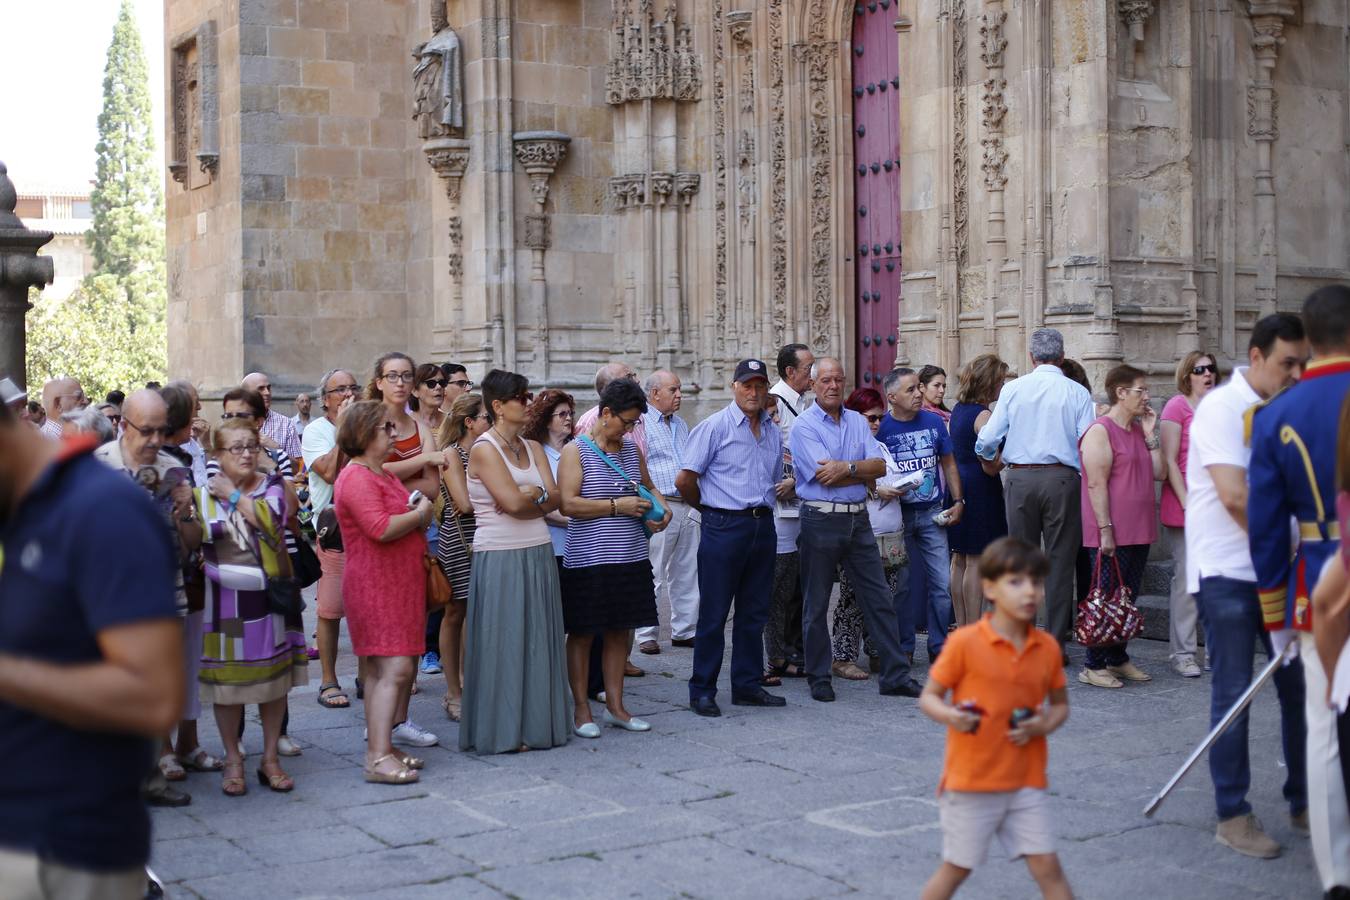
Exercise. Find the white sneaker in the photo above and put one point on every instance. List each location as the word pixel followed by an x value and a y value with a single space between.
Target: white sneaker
pixel 1185 666
pixel 410 734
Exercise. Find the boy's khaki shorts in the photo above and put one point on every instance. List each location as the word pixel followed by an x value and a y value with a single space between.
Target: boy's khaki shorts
pixel 1020 819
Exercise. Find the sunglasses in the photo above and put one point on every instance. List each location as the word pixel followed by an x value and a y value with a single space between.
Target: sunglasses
pixel 237 415
pixel 525 397
pixel 434 383
pixel 875 417
pixel 390 429
pixel 1200 370
pixel 163 431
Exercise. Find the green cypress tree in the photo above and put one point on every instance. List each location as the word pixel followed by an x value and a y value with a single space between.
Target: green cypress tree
pixel 127 201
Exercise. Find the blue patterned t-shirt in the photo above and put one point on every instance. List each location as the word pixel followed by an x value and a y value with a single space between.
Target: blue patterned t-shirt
pixel 917 446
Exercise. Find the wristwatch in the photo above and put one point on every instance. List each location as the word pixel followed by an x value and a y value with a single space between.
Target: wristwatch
pixel 853 470
pixel 234 497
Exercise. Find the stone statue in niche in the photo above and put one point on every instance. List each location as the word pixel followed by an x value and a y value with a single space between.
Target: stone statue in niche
pixel 438 80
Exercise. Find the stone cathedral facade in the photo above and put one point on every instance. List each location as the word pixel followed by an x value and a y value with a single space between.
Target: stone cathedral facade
pixel 547 184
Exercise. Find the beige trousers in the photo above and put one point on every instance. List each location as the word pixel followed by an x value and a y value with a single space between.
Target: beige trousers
pixel 25 877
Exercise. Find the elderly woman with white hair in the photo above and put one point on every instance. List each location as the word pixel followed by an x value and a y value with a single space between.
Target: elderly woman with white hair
pixel 88 420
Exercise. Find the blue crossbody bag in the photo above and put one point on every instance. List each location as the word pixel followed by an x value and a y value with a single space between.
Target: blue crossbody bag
pixel 657 512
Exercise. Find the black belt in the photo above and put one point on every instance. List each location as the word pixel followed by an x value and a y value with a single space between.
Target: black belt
pixel 754 512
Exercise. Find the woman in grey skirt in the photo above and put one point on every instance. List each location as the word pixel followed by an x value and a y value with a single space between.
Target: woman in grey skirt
pixel 515 670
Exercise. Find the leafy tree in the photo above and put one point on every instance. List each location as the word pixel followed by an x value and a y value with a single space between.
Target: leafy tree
pixel 127 201
pixel 111 332
pixel 92 336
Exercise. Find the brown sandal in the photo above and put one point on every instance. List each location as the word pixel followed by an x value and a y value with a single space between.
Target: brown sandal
pixel 233 785
pixel 403 775
pixel 452 707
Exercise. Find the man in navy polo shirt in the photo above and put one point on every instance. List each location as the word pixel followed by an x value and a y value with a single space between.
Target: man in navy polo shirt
pixel 91 668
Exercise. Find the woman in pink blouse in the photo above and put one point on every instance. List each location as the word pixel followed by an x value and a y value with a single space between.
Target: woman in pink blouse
pixel 1121 460
pixel 1197 373
pixel 383 584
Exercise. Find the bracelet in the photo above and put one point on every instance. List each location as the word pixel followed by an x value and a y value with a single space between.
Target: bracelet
pixel 613 507
pixel 234 497
pixel 1104 527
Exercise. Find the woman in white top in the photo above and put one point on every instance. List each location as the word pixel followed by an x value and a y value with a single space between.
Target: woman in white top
pixel 515 669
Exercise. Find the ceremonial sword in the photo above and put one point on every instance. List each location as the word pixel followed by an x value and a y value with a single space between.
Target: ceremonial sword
pixel 1229 717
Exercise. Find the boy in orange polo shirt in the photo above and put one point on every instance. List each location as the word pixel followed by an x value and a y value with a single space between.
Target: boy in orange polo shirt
pixel 999 671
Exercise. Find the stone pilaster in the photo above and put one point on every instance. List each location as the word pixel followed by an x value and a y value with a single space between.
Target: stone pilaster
pixel 539 153
pixel 993 111
pixel 1268 20
pixel 449 158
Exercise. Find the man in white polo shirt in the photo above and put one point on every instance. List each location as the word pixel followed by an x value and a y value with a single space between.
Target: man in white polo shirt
pixel 1219 573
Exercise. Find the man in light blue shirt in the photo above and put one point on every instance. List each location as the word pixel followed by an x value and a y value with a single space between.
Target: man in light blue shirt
pixel 1039 420
pixel 836 459
pixel 674 551
pixel 732 464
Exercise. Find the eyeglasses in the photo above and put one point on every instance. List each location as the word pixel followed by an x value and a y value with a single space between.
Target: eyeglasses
pixel 114 419
pixel 399 377
pixel 1200 370
pixel 462 383
pixel 629 424
pixel 342 389
pixel 874 418
pixel 434 383
pixel 1143 392
pixel 237 415
pixel 241 449
pixel 151 431
pixel 562 414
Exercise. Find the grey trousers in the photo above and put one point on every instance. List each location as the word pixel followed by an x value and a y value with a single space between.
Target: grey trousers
pixel 1043 509
pixel 1182 614
pixel 829 541
pixel 25 877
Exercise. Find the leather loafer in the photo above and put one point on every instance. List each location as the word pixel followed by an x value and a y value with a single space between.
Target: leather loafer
pixel 682 642
pixel 760 698
pixel 822 691
pixel 705 706
pixel 907 688
pixel 651 648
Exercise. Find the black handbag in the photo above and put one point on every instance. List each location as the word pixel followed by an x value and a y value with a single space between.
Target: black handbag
pixel 305 563
pixel 329 534
pixel 283 597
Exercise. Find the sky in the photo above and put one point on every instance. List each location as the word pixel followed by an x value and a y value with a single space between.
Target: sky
pixel 51 84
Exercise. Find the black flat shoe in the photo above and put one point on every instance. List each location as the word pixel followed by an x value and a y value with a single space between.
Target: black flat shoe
pixel 682 642
pixel 822 691
pixel 760 698
pixel 705 706
pixel 907 688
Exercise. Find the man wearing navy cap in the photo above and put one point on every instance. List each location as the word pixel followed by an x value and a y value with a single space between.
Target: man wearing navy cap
pixel 733 461
pixel 836 459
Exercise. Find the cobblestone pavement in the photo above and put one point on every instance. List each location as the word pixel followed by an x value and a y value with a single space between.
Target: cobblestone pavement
pixel 814 800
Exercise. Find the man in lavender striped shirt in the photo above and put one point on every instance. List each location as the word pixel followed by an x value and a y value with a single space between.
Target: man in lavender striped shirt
pixel 275 426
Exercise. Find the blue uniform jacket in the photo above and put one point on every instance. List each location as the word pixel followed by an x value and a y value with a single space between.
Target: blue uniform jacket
pixel 1293 474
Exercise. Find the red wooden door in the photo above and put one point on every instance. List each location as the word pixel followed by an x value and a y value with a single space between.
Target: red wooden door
pixel 876 178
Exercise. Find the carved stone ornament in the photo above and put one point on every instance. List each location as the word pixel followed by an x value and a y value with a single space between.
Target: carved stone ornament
pixel 995 161
pixel 994 108
pixel 540 153
pixel 686 186
pixel 992 41
pixel 1134 12
pixel 663 183
pixel 960 151
pixel 651 58
pixel 438 80
pixel 628 191
pixel 1263 112
pixel 739 26
pixel 448 158
pixel 819 55
pixel 195 104
pixel 778 228
pixel 536 232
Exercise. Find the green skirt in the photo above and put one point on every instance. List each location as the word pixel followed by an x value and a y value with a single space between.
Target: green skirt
pixel 515 665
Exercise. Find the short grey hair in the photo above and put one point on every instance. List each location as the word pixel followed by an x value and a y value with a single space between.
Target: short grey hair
pixel 1047 345
pixel 91 420
pixel 892 378
pixel 323 382
pixel 654 381
pixel 607 373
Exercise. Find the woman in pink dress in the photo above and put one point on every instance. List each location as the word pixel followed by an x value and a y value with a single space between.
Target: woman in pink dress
pixel 1197 373
pixel 383 585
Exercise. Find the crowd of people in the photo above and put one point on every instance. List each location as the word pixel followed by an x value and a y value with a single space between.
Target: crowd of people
pixel 564 536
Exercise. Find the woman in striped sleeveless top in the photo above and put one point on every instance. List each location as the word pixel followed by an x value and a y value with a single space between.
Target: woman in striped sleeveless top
pixel 607 574
pixel 454 547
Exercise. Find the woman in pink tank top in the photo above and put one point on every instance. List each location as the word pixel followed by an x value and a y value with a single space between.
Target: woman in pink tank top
pixel 1121 459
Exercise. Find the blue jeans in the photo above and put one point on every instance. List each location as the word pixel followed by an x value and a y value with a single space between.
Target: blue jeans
pixel 927 544
pixel 829 541
pixel 1232 614
pixel 433 626
pixel 735 565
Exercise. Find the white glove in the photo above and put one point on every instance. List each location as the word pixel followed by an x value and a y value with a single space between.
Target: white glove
pixel 1281 639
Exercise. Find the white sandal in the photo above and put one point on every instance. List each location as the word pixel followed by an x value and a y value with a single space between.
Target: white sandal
pixel 201 761
pixel 171 768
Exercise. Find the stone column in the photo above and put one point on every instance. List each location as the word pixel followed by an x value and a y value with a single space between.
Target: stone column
pixel 1268 18
pixel 540 153
pixel 1134 13
pixel 994 164
pixel 449 158
pixel 686 186
pixel 20 269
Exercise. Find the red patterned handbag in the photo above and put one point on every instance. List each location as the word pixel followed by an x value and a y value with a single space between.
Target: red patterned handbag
pixel 1107 618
